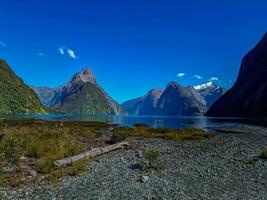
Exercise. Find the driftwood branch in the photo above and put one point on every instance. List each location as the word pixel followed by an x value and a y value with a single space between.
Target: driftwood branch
pixel 92 153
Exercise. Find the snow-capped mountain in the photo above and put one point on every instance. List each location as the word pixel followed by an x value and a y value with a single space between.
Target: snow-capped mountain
pixel 208 93
pixel 204 86
pixel 175 100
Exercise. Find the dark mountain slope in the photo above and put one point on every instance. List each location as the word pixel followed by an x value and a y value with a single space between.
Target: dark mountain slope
pixel 248 96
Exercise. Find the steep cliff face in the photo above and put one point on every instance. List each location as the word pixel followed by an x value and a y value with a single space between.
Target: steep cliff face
pixel 248 96
pixel 15 96
pixel 145 105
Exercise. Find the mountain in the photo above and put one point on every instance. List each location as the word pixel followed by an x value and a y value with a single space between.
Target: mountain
pixel 178 100
pixel 145 105
pixel 175 100
pixel 209 93
pixel 45 94
pixel 15 96
pixel 81 94
pixel 248 96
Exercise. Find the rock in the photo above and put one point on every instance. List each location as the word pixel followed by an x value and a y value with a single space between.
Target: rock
pixel 9 170
pixel 29 170
pixel 144 179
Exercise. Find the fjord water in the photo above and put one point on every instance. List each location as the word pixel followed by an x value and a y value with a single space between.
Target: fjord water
pixel 152 121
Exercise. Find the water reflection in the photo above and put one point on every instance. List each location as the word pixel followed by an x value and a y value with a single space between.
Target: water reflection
pixel 152 121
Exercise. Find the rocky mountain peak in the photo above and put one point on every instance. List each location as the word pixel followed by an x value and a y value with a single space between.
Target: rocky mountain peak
pixel 81 94
pixel 173 84
pixel 86 75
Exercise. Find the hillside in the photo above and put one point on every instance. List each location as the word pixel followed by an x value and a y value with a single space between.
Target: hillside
pixel 15 96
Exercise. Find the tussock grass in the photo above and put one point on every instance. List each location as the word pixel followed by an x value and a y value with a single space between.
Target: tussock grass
pixel 45 142
pixel 45 145
pixel 122 133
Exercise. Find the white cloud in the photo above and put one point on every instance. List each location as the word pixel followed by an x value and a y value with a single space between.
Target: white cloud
pixel 213 78
pixel 41 54
pixel 67 51
pixel 71 53
pixel 61 50
pixel 2 43
pixel 197 76
pixel 181 75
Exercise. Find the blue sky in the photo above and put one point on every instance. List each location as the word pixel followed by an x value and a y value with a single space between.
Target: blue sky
pixel 131 46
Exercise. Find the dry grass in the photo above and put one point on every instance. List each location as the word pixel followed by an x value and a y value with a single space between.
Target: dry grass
pixel 45 142
pixel 122 133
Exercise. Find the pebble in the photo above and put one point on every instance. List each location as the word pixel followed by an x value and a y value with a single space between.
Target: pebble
pixel 199 169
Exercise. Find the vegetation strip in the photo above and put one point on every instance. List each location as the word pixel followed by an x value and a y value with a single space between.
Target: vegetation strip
pixel 122 133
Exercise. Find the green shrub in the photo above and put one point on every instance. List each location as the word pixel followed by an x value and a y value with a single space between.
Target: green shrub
pixel 151 155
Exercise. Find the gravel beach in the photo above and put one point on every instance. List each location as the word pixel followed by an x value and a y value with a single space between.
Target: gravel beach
pixel 228 166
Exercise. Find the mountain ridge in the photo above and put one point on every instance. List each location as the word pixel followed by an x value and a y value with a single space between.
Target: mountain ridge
pixel 196 98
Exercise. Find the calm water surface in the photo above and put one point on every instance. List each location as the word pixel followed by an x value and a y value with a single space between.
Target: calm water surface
pixel 152 121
